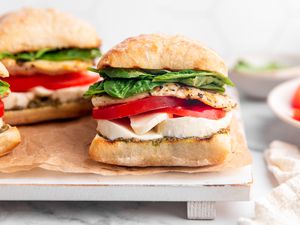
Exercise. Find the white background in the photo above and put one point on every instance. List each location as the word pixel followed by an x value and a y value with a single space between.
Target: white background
pixel 231 27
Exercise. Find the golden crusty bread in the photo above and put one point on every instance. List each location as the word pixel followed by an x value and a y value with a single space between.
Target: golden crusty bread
pixel 158 51
pixel 35 115
pixel 191 152
pixel 9 139
pixel 3 71
pixel 32 29
pixel 45 67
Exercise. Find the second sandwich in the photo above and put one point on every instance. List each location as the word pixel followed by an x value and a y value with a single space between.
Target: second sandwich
pixel 47 53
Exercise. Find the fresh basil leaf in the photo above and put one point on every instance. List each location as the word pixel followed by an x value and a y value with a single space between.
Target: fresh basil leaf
pixel 25 56
pixel 123 73
pixel 4 55
pixel 121 88
pixel 123 83
pixel 182 74
pixel 54 54
pixel 92 69
pixel 4 87
pixel 211 87
pixel 70 54
pixel 200 81
pixel 95 89
pixel 156 72
pixel 41 52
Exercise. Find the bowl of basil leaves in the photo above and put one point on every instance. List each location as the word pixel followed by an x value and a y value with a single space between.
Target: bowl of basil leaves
pixel 257 75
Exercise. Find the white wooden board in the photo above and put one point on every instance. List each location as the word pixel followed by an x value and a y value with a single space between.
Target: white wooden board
pixel 46 185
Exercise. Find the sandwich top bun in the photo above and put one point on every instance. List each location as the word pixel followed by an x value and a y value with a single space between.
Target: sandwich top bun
pixel 158 51
pixel 3 71
pixel 31 29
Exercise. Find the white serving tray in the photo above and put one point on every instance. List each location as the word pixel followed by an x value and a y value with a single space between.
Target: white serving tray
pixel 200 190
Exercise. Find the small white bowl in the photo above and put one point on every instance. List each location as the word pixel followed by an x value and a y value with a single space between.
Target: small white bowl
pixel 280 99
pixel 259 84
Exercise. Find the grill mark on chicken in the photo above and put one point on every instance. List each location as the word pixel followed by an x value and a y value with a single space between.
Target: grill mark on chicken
pixel 215 100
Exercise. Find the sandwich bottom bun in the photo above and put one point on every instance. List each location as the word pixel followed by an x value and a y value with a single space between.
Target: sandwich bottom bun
pixel 9 139
pixel 46 113
pixel 189 152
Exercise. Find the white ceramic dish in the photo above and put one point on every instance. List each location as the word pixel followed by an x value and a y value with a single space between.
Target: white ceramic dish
pixel 259 85
pixel 280 98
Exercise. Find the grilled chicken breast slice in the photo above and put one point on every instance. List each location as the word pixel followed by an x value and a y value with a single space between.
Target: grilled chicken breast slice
pixel 215 100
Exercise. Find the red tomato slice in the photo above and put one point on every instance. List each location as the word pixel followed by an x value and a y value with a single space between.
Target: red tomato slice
pixel 24 83
pixel 1 108
pixel 296 99
pixel 171 105
pixel 202 111
pixel 136 107
pixel 296 115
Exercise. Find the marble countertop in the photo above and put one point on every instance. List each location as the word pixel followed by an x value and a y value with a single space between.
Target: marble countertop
pixel 261 128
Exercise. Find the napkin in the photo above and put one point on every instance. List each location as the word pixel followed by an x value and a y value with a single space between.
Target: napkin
pixel 282 205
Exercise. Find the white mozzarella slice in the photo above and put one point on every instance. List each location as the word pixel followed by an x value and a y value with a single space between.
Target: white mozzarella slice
pixel 113 130
pixel 17 100
pixel 22 99
pixel 143 123
pixel 183 127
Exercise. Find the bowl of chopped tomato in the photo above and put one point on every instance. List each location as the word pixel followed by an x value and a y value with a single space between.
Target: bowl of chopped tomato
pixel 284 101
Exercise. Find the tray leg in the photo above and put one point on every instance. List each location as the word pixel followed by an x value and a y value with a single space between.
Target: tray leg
pixel 201 210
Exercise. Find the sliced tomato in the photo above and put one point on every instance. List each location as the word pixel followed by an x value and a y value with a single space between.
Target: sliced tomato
pixel 136 107
pixel 296 115
pixel 171 105
pixel 203 111
pixel 1 108
pixel 25 83
pixel 296 99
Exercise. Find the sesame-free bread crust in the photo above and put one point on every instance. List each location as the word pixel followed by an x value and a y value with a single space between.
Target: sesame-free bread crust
pixel 32 29
pixel 158 51
pixel 189 152
pixel 9 139
pixel 35 115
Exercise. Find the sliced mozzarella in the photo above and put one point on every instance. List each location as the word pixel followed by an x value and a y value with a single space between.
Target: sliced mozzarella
pixel 143 123
pixel 1 122
pixel 69 94
pixel 183 127
pixel 113 130
pixel 17 100
pixel 22 99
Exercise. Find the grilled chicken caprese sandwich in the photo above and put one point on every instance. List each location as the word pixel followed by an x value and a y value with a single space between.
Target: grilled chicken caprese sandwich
pixel 9 136
pixel 161 103
pixel 47 54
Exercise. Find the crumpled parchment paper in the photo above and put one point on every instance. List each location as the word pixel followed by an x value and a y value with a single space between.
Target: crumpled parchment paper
pixel 63 146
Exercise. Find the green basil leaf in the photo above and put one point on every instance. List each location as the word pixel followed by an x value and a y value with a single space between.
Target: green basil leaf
pixel 4 87
pixel 54 54
pixel 123 73
pixel 41 52
pixel 182 74
pixel 92 69
pixel 200 81
pixel 70 54
pixel 156 72
pixel 121 88
pixel 211 87
pixel 4 55
pixel 95 89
